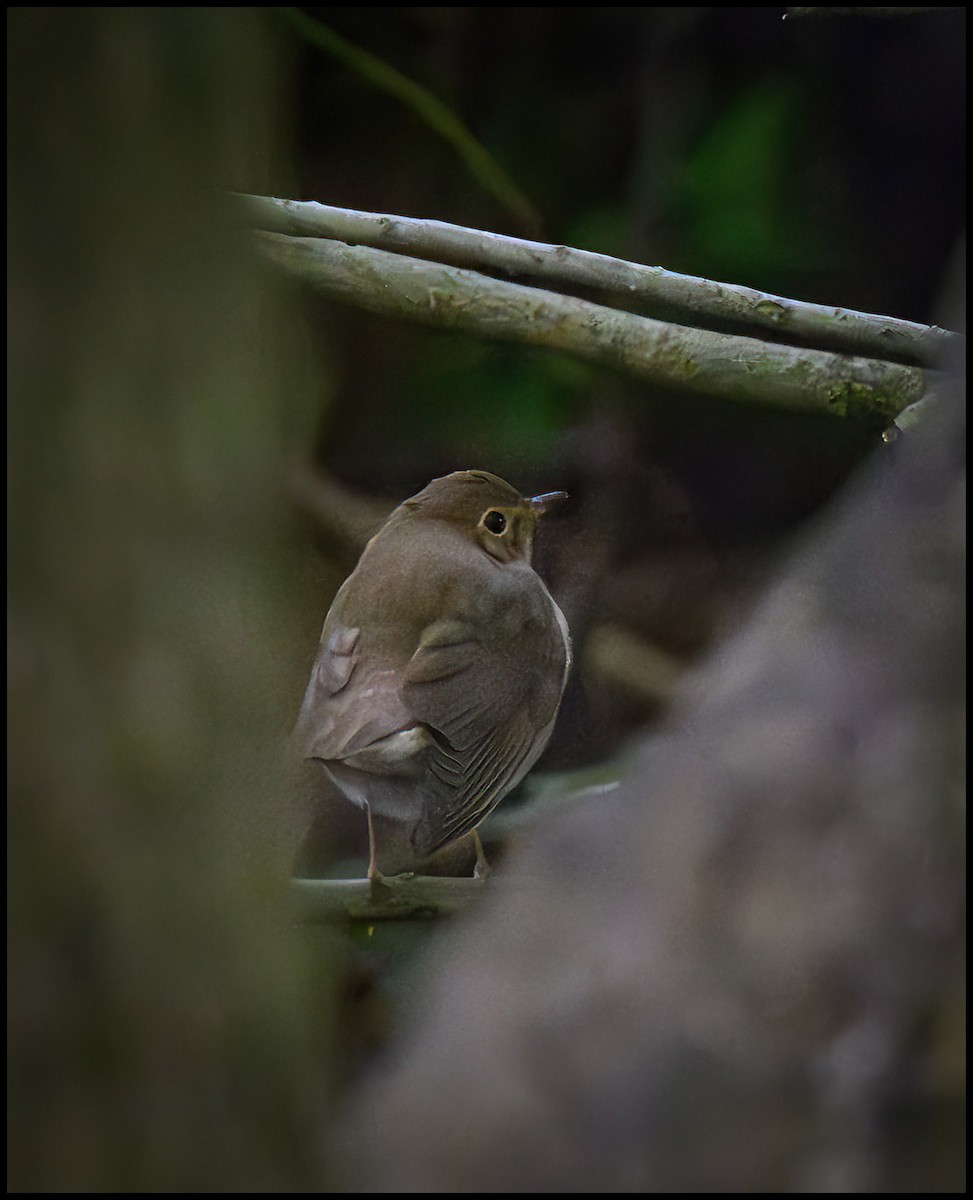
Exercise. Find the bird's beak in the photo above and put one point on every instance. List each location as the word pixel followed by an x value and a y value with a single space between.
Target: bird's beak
pixel 543 504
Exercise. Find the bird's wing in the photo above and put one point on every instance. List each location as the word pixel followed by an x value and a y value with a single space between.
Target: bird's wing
pixel 488 691
pixel 350 703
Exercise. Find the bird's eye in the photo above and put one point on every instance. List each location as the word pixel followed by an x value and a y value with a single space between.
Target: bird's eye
pixel 495 522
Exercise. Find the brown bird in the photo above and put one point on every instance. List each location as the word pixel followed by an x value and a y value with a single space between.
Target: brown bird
pixel 441 667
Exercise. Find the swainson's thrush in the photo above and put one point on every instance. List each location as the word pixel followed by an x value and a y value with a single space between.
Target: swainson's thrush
pixel 441 667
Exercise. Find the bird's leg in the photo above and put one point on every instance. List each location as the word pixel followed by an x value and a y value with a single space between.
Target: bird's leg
pixel 481 868
pixel 374 874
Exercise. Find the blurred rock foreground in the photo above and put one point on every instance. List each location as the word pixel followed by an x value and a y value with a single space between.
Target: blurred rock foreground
pixel 743 970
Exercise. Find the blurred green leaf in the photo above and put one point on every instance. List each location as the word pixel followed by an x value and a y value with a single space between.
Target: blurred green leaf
pixel 602 230
pixel 505 402
pixel 741 199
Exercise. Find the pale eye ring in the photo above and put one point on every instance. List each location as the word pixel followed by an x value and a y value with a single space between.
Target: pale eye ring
pixel 494 522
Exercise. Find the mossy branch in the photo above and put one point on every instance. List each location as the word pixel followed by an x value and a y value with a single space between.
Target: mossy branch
pixel 400 897
pixel 613 281
pixel 668 355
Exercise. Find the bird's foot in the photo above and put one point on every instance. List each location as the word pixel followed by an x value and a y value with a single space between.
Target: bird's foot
pixel 377 880
pixel 481 868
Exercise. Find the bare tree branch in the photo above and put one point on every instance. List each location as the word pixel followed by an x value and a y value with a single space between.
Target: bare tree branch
pixel 671 295
pixel 668 355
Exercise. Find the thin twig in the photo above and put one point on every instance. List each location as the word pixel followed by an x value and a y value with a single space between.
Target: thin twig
pixel 347 517
pixel 632 663
pixel 481 164
pixel 668 355
pixel 666 293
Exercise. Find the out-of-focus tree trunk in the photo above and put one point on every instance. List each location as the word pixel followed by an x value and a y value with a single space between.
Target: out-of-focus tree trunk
pixel 161 1036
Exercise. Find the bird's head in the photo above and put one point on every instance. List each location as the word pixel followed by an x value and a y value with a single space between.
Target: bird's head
pixel 486 509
